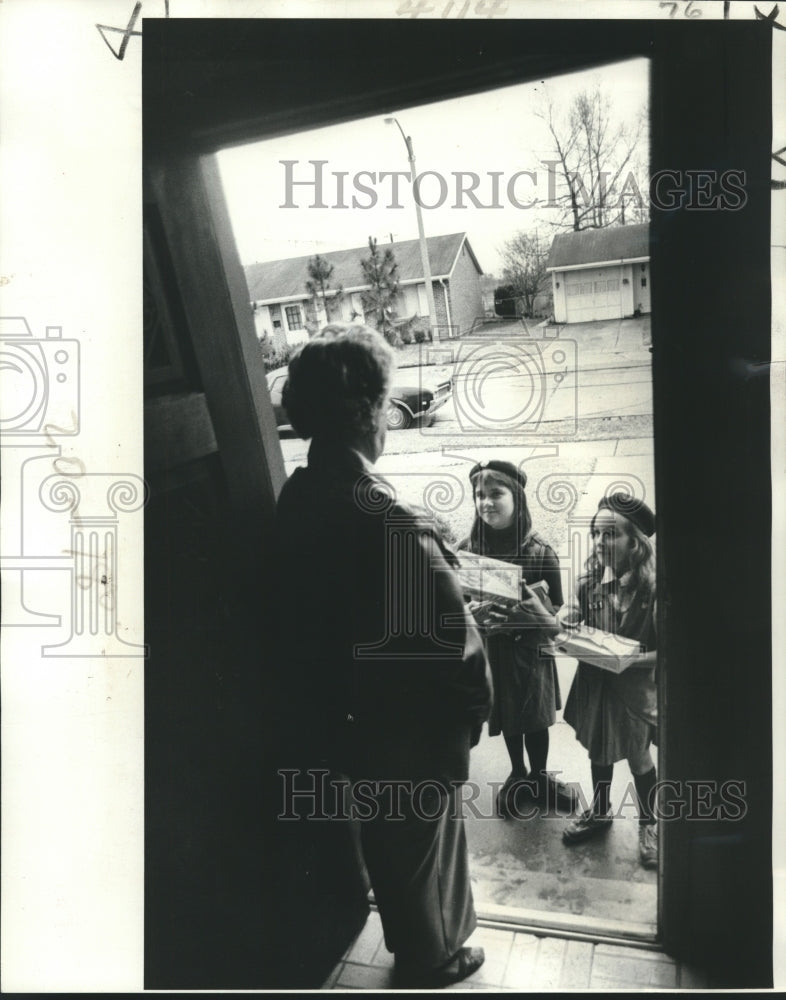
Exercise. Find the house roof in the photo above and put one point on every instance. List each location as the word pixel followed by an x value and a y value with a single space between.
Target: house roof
pixel 590 246
pixel 286 279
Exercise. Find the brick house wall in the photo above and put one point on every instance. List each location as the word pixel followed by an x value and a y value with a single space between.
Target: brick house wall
pixel 466 295
pixel 441 308
pixel 278 327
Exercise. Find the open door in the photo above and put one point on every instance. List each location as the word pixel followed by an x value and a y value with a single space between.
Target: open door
pixel 208 85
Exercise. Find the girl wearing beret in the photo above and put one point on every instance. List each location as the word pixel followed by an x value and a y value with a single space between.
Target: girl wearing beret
pixel 615 715
pixel 526 687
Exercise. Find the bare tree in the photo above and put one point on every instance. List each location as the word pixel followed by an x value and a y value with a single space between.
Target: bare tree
pixel 524 259
pixel 595 162
pixel 633 200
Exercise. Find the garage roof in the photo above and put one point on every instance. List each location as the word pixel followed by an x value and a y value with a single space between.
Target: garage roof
pixel 590 246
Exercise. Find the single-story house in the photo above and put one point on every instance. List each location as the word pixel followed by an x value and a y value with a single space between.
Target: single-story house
pixel 282 306
pixel 600 273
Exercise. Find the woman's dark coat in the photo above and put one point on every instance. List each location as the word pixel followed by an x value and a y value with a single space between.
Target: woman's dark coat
pixel 384 673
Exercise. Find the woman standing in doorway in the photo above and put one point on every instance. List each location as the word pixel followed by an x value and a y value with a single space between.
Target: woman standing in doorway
pixel 395 709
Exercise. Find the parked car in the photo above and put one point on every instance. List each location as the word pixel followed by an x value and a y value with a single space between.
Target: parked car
pixel 409 404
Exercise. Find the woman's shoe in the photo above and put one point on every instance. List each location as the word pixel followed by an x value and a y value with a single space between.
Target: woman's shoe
pixel 463 964
pixel 588 825
pixel 648 845
pixel 550 792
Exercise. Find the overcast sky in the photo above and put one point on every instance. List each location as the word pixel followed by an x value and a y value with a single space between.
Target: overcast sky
pixel 495 132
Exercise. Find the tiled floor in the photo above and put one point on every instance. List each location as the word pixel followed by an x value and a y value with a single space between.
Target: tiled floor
pixel 517 960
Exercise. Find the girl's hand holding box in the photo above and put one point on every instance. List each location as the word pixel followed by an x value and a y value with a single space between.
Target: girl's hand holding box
pixel 529 614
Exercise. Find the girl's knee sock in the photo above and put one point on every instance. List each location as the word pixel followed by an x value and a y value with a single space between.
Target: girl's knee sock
pixel 601 787
pixel 645 783
pixel 537 745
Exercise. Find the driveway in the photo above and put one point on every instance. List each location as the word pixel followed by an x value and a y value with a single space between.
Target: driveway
pixel 609 336
pixel 606 336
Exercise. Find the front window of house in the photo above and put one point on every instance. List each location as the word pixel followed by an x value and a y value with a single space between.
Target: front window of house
pixel 294 318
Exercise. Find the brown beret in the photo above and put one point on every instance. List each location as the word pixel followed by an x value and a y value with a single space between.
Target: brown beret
pixel 636 511
pixel 498 465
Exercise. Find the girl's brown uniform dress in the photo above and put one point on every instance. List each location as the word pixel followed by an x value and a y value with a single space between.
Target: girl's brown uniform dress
pixel 615 715
pixel 526 686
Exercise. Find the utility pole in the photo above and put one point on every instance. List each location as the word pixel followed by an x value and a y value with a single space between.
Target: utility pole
pixel 432 312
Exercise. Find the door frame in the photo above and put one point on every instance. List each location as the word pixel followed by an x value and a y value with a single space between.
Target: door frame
pixel 711 427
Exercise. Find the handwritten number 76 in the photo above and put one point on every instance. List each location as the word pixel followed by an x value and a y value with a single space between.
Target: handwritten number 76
pixel 688 12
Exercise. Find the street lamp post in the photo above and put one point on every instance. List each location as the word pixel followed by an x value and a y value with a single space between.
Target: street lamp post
pixel 432 312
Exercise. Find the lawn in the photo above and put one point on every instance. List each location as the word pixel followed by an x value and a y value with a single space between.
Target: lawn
pixel 414 355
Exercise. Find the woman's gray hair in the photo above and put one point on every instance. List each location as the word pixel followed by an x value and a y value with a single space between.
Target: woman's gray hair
pixel 338 381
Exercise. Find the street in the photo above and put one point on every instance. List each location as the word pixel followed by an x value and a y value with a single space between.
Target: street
pixel 592 427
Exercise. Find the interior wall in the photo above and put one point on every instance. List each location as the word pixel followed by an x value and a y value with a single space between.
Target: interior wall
pixel 233 899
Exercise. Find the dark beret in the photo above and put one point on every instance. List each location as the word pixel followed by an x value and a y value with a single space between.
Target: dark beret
pixel 636 511
pixel 497 465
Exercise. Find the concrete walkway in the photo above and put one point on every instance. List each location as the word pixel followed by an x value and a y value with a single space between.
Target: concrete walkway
pixel 557 473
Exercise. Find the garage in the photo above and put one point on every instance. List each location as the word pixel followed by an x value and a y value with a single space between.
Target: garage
pixel 599 274
pixel 593 294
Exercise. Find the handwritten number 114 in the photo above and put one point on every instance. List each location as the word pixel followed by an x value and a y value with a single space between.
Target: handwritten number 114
pixel 453 8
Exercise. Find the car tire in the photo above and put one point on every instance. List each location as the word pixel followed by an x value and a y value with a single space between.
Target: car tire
pixel 398 418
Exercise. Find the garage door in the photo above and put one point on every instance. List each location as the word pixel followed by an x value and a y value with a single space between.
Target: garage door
pixel 593 295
